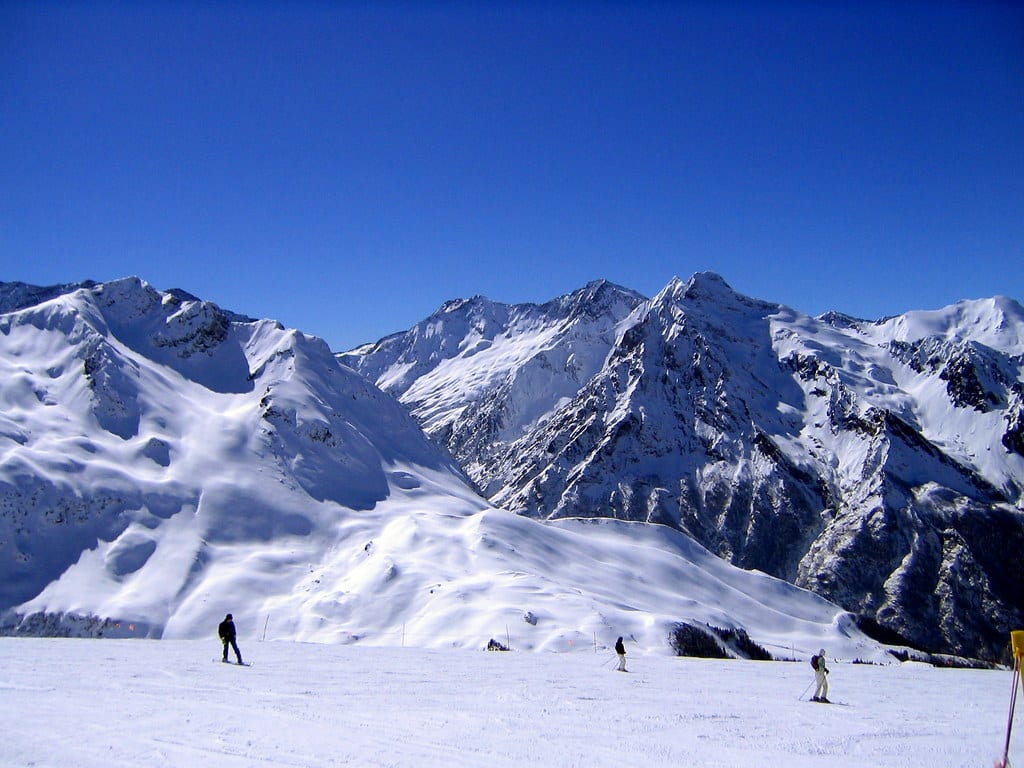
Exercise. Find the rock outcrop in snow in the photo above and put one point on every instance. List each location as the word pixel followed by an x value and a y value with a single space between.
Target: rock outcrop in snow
pixel 879 464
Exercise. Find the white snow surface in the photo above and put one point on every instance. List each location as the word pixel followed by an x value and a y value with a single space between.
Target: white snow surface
pixel 104 703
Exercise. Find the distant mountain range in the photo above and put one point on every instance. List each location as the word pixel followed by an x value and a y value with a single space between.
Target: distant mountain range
pixel 878 464
pixel 164 461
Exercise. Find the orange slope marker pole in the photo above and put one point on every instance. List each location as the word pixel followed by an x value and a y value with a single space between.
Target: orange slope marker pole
pixel 1017 638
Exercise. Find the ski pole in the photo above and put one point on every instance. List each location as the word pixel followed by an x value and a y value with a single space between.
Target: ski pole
pixel 606 662
pixel 801 696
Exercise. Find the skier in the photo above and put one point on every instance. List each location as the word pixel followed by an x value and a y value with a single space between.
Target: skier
pixel 621 650
pixel 820 678
pixel 226 630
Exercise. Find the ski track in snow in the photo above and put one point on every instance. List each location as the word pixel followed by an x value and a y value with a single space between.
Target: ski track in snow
pixel 134 702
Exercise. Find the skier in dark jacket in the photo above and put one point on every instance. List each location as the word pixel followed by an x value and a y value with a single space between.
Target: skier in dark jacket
pixel 226 630
pixel 621 650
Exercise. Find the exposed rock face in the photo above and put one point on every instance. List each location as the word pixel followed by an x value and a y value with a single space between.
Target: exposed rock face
pixel 880 464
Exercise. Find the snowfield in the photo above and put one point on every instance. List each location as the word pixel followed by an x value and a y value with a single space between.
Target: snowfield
pixel 172 703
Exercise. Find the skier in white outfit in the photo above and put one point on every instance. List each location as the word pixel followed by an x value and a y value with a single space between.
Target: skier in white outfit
pixel 821 679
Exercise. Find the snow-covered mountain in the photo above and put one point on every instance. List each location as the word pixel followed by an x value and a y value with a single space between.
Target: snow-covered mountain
pixel 879 464
pixel 163 462
pixel 479 375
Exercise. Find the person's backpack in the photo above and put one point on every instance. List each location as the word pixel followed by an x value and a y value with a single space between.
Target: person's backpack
pixel 814 662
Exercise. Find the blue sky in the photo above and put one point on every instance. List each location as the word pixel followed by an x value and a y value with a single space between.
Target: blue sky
pixel 345 168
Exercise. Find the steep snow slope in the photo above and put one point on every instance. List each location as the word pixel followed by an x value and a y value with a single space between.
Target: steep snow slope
pixel 163 462
pixel 880 464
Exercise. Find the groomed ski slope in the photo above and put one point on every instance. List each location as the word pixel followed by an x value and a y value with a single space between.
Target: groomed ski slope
pixel 170 703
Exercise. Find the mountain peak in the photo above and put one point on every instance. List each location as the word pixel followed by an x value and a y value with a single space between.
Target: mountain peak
pixel 702 286
pixel 15 296
pixel 706 282
pixel 596 298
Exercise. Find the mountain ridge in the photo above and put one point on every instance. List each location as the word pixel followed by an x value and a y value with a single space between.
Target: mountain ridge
pixel 164 461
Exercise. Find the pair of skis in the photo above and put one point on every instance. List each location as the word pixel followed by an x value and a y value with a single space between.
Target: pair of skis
pixel 818 701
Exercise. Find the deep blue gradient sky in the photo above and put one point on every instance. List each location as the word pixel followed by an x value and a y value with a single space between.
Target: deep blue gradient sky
pixel 346 168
